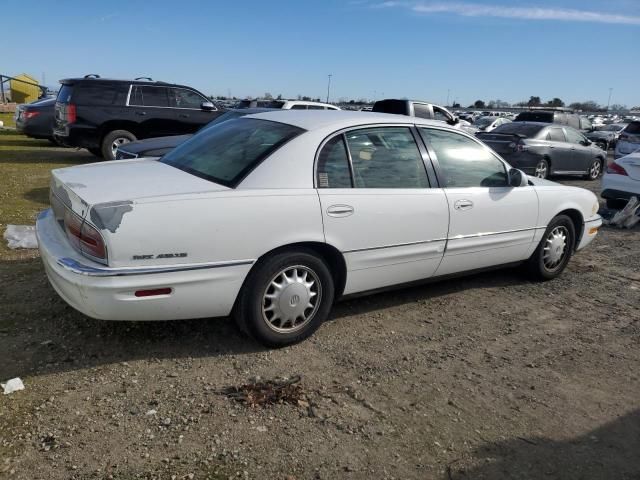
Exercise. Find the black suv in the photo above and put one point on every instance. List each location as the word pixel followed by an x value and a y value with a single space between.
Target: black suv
pixel 101 114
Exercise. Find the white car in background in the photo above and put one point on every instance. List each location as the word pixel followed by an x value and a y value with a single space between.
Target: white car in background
pixel 273 216
pixel 621 181
pixel 488 124
pixel 628 140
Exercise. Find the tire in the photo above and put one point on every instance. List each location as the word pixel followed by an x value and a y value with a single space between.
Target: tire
pixel 595 169
pixel 542 169
pixel 616 203
pixel 95 151
pixel 259 314
pixel 113 139
pixel 546 264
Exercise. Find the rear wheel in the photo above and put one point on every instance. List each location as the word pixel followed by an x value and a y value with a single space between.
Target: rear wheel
pixel 285 298
pixel 595 169
pixel 542 168
pixel 113 140
pixel 554 251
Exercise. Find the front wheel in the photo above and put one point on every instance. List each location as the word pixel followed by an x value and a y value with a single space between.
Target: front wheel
pixel 595 169
pixel 113 140
pixel 554 251
pixel 285 298
pixel 542 169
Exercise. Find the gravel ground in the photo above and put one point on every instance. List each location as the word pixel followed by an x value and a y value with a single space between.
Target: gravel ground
pixel 490 376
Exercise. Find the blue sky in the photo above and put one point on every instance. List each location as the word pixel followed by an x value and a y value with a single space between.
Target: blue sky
pixel 476 49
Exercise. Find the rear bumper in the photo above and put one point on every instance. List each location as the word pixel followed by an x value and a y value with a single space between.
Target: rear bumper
pixel 197 291
pixel 620 187
pixel 77 136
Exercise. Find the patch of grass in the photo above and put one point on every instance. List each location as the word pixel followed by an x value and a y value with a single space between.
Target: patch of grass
pixel 7 119
pixel 25 172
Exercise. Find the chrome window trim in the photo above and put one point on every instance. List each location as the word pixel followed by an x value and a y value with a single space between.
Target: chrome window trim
pixel 77 267
pixel 215 109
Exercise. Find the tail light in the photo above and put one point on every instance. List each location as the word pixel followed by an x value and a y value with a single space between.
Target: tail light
pixel 83 236
pixel 28 115
pixel 520 147
pixel 616 169
pixel 71 113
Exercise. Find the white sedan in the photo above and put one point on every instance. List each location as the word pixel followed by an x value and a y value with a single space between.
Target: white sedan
pixel 273 216
pixel 621 181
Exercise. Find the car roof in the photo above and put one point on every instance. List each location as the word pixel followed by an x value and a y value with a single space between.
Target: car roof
pixel 100 80
pixel 318 119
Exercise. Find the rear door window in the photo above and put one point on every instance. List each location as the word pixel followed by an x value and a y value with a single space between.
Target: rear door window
pixel 148 96
pixel 574 136
pixel 386 157
pixel 298 107
pixel 556 135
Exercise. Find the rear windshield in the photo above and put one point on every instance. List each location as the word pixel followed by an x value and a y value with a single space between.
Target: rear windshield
pixel 64 95
pixel 528 130
pixel 535 117
pixel 225 153
pixel 633 128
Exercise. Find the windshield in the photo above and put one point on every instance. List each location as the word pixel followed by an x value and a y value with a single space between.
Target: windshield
pixel 484 121
pixel 526 129
pixel 226 152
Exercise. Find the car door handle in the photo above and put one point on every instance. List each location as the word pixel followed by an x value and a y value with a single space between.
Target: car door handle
pixel 142 114
pixel 184 115
pixel 463 205
pixel 340 210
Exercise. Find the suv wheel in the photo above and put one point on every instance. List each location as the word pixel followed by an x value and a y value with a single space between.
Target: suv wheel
pixel 113 140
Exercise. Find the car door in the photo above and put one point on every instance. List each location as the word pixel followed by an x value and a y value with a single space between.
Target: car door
pixel 490 222
pixel 581 155
pixel 186 107
pixel 560 151
pixel 150 107
pixel 378 206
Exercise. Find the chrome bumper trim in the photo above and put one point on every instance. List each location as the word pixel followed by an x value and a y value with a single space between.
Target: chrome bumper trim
pixel 77 267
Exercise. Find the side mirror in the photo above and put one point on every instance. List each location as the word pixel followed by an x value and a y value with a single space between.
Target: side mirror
pixel 586 143
pixel 207 106
pixel 517 178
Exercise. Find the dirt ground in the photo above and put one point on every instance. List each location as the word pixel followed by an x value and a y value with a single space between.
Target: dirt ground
pixel 486 377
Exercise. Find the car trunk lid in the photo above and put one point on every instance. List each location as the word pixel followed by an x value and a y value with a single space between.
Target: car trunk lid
pixel 631 164
pixel 503 143
pixel 82 186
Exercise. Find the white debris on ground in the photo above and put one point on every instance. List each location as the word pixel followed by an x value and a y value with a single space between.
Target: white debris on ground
pixel 12 385
pixel 21 236
pixel 628 217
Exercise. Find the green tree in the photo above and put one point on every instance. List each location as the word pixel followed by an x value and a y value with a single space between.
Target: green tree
pixel 479 104
pixel 534 101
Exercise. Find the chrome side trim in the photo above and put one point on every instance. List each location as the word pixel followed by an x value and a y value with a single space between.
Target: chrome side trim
pixel 395 245
pixel 597 219
pixel 76 267
pixel 459 237
pixel 486 234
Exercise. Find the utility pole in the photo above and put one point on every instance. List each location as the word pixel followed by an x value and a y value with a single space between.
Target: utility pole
pixel 329 87
pixel 609 101
pixel 448 93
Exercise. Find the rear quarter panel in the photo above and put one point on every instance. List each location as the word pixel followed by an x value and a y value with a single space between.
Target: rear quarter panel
pixel 224 226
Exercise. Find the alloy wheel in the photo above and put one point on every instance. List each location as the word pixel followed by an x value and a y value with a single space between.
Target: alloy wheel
pixel 541 169
pixel 594 171
pixel 118 142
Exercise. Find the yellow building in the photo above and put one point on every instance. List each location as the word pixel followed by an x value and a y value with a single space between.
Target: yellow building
pixel 24 92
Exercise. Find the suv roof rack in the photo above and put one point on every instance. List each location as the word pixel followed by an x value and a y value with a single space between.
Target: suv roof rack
pixel 92 75
pixel 144 78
